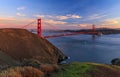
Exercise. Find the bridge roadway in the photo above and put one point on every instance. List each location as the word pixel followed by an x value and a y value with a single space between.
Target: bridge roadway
pixel 69 34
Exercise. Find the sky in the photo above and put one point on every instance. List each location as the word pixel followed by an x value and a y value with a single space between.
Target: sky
pixel 60 14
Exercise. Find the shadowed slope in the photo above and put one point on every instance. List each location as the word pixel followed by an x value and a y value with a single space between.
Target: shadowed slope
pixel 6 59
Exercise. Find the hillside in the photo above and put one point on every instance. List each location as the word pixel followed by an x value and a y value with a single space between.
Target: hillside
pixel 102 30
pixel 20 44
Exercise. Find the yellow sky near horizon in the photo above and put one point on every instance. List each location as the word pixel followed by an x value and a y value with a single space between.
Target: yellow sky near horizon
pixel 49 23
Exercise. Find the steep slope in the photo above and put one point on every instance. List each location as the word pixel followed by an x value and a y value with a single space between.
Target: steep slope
pixel 21 44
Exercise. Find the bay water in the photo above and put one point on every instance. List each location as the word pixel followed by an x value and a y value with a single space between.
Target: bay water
pixel 84 48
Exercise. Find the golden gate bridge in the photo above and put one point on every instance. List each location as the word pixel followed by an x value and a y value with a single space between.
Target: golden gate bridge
pixel 39 31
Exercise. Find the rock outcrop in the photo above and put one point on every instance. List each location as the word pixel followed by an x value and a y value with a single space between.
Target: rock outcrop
pixel 21 44
pixel 116 61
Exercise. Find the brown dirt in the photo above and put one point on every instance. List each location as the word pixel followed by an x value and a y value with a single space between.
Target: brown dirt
pixel 21 44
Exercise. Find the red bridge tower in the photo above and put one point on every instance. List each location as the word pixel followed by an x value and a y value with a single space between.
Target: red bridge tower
pixel 94 29
pixel 39 28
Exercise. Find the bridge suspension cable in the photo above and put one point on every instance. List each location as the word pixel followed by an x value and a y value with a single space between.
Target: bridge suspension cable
pixel 28 24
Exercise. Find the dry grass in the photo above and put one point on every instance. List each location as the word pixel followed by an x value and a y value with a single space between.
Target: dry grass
pixel 106 71
pixel 48 69
pixel 22 72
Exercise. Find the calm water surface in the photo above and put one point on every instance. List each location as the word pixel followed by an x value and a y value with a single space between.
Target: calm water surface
pixel 85 49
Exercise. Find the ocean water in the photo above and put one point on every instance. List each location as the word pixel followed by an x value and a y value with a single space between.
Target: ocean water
pixel 84 48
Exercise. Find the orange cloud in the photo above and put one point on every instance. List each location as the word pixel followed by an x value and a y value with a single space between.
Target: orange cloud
pixel 110 22
pixel 84 25
pixel 107 26
pixel 16 22
pixel 7 19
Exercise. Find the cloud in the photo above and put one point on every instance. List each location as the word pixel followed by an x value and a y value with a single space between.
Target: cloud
pixel 15 22
pixel 62 17
pixel 75 16
pixel 39 16
pixel 96 16
pixel 65 17
pixel 84 25
pixel 59 17
pixel 53 22
pixel 110 22
pixel 20 14
pixel 21 8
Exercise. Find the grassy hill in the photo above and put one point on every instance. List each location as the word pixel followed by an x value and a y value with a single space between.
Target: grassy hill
pixel 78 69
pixel 75 69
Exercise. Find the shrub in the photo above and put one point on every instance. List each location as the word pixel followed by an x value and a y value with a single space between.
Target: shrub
pixel 48 69
pixel 31 62
pixel 116 61
pixel 22 72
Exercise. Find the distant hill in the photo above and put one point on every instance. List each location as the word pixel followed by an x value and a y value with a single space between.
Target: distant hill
pixel 19 44
pixel 102 30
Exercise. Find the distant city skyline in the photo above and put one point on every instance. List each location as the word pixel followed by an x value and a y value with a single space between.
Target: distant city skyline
pixel 60 14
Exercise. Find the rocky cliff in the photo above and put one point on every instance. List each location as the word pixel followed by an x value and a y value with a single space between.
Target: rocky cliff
pixel 21 44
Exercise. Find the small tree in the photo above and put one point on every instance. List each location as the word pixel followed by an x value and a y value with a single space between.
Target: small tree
pixel 31 62
pixel 116 61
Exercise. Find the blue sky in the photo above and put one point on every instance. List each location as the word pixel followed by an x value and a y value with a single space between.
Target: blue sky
pixel 63 14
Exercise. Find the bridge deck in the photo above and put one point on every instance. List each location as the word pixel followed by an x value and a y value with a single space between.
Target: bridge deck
pixel 69 34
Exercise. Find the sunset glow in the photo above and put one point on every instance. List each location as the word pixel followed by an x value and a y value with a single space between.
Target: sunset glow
pixel 63 14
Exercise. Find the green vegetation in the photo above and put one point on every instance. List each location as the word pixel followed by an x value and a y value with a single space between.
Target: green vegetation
pixel 75 69
pixel 78 69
